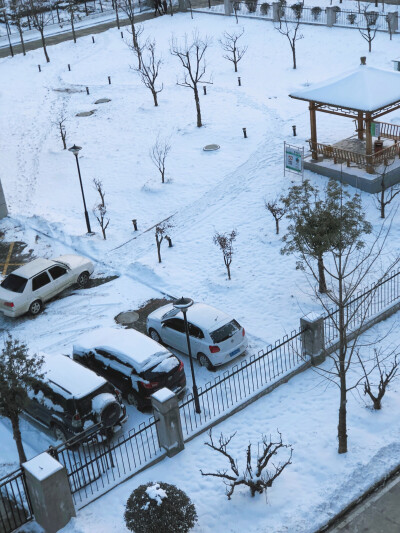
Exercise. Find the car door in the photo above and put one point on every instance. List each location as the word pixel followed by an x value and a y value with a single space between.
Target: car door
pixel 60 277
pixel 42 287
pixel 173 334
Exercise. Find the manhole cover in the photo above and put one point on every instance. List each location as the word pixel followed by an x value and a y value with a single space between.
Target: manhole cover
pixel 86 113
pixel 127 318
pixel 211 147
pixel 102 101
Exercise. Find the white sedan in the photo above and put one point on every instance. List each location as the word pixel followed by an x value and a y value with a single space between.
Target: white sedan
pixel 215 337
pixel 29 286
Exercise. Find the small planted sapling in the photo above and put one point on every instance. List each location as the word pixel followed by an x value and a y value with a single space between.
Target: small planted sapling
pixel 225 242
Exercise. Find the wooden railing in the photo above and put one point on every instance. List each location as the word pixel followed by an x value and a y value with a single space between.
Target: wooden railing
pixel 339 155
pixel 388 131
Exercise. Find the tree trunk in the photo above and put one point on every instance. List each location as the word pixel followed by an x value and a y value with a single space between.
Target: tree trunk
pixel 342 425
pixel 156 104
pixel 369 45
pixel 382 202
pixel 321 276
pixel 235 63
pixel 294 55
pixel 228 268
pixel 73 27
pixel 196 98
pixel 377 403
pixel 17 437
pixel 158 249
pixel 44 46
pixel 277 226
pixel 22 40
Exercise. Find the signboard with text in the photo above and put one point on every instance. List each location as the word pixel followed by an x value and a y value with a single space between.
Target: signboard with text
pixel 293 159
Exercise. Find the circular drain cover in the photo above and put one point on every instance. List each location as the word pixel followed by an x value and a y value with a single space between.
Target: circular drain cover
pixel 211 147
pixel 127 318
pixel 102 101
pixel 85 113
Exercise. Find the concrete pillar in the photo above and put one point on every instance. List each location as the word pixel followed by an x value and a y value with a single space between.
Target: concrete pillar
pixel 275 11
pixel 169 428
pixel 49 492
pixel 330 16
pixel 313 337
pixel 393 21
pixel 182 5
pixel 3 205
pixel 228 7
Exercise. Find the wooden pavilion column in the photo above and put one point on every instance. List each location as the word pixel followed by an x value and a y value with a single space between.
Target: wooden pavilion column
pixel 360 126
pixel 313 125
pixel 368 143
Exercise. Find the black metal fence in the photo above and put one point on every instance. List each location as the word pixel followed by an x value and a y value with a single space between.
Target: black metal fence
pixel 364 306
pixel 242 382
pixel 15 507
pixel 94 466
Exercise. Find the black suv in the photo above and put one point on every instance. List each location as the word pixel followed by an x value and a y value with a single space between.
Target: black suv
pixel 71 399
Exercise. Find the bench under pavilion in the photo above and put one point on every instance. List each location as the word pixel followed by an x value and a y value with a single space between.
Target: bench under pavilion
pixel 364 95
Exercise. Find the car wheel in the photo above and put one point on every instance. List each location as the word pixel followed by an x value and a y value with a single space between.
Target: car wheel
pixel 83 280
pixel 155 336
pixel 59 434
pixel 204 361
pixel 35 308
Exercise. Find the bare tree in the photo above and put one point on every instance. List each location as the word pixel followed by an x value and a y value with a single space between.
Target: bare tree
pixel 61 128
pixel 192 58
pixel 387 373
pixel 100 209
pixel 17 12
pixel 158 155
pixel 40 15
pixel 257 475
pixel 369 32
pixel 277 210
pixel 229 44
pixel 225 242
pixel 387 193
pixel 72 8
pixel 149 69
pixel 161 232
pixel 291 31
pixel 138 46
pixel 128 7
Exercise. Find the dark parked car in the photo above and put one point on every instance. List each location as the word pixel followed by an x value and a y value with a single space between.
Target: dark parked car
pixel 135 364
pixel 71 399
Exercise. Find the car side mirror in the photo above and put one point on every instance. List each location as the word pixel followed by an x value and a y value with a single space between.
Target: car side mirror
pixel 163 324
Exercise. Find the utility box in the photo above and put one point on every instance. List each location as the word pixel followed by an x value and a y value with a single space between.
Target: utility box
pixel 169 428
pixel 396 64
pixel 49 492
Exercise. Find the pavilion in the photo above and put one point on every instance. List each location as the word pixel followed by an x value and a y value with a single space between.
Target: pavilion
pixel 364 94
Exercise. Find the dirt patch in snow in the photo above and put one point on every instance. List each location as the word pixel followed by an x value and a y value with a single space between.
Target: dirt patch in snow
pixel 143 312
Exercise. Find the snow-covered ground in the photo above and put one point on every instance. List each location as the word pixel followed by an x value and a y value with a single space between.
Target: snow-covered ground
pixel 204 193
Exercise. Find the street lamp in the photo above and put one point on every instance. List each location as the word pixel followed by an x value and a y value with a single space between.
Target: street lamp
pixel 3 9
pixel 75 150
pixel 183 305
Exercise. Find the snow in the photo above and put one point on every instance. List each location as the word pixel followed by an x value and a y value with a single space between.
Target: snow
pixel 70 378
pixel 155 492
pixel 42 466
pixel 34 267
pixel 364 89
pixel 163 395
pixel 129 345
pixel 202 315
pixel 100 401
pixel 166 365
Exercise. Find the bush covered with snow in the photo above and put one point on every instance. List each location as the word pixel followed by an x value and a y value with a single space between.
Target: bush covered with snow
pixel 159 507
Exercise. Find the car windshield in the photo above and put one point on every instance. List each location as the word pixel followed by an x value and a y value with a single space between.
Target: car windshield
pixel 224 332
pixel 14 283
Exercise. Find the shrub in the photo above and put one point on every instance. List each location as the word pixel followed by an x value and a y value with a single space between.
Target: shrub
pixel 159 508
pixel 337 9
pixel 297 10
pixel 371 17
pixel 316 11
pixel 351 17
pixel 251 5
pixel 265 7
pixel 281 9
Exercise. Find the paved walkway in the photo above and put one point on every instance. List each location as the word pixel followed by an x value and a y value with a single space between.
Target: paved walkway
pixel 380 513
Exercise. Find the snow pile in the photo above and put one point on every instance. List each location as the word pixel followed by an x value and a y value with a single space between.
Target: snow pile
pixel 166 365
pixel 155 492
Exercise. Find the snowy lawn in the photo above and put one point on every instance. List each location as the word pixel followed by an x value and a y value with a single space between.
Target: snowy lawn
pixel 204 192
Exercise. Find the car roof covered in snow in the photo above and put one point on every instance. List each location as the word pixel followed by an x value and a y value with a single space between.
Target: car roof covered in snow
pixel 71 379
pixel 129 345
pixel 202 315
pixel 33 267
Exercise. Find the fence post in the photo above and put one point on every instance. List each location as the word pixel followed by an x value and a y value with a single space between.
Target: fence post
pixel 49 492
pixel 313 337
pixel 169 427
pixel 228 7
pixel 330 16
pixel 275 11
pixel 393 21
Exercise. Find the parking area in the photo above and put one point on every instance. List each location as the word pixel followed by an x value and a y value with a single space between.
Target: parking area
pixel 12 255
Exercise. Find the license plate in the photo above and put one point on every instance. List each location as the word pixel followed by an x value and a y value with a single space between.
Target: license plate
pixel 235 352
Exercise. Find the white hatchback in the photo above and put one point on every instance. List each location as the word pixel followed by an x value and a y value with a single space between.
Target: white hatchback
pixel 215 337
pixel 29 286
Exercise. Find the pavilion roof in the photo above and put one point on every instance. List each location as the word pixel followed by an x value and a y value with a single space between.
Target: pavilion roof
pixel 365 89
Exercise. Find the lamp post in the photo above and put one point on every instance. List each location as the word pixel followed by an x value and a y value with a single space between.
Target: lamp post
pixel 75 150
pixel 183 305
pixel 3 9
